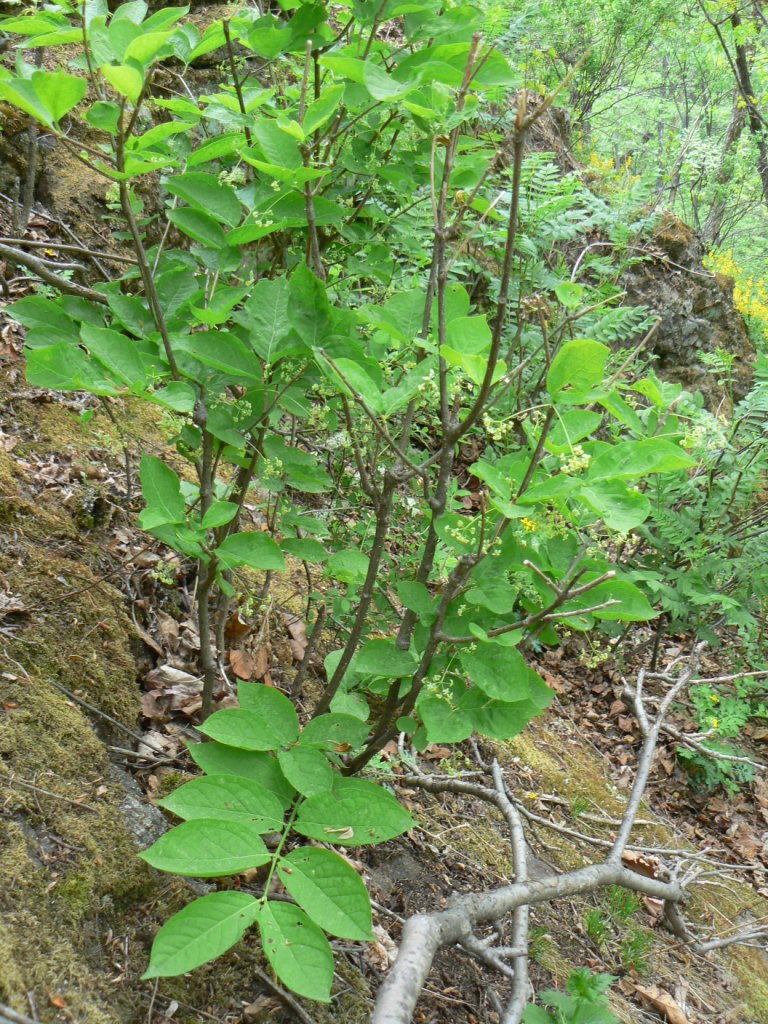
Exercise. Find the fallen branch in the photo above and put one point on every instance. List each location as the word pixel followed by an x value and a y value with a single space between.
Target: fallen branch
pixel 425 934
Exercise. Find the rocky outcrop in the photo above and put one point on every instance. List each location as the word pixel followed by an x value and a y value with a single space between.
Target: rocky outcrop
pixel 696 310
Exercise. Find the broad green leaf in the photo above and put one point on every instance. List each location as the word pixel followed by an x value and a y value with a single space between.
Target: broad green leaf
pixel 474 366
pixel 630 604
pixel 36 311
pixel 307 769
pixel 265 316
pixel 443 720
pixel 226 798
pixel 201 932
pixel 418 599
pixel 356 813
pixel 335 730
pixel 117 353
pixel 208 849
pixel 569 293
pixel 348 566
pixel 200 227
pixel 576 368
pixel 224 352
pixel 352 380
pixel 177 395
pixel 124 79
pixel 58 91
pixel 278 146
pixel 323 108
pixel 104 116
pixel 65 367
pixel 305 548
pixel 256 550
pixel 297 950
pixel 146 47
pixel 219 514
pixel 217 759
pixel 162 494
pixel 469 335
pixel 207 193
pixel 630 460
pixel 620 507
pixel 309 310
pixel 251 730
pixel 503 675
pixel 384 658
pixel 570 427
pixel 501 720
pixel 175 287
pixel 329 890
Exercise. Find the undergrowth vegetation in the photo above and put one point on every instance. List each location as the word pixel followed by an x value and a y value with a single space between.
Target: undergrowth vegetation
pixel 350 287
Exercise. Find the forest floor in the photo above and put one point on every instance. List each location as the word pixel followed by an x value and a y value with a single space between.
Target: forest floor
pixel 99 693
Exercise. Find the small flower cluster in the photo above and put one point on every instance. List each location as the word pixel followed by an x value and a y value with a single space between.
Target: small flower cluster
pixel 233 176
pixel 498 430
pixel 574 463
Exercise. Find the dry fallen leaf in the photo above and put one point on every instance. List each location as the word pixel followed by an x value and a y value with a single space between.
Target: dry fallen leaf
pixel 662 1003
pixel 242 663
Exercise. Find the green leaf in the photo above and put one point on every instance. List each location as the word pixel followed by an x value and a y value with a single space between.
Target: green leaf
pixel 329 890
pixel 418 599
pixel 65 367
pixel 618 505
pixel 265 316
pixel 278 146
pixel 307 769
pixel 162 494
pixel 256 550
pixel 201 932
pixel 306 549
pixel 631 605
pixel 297 950
pixel 356 813
pixel 309 310
pixel 250 730
pixel 469 335
pixel 117 353
pixel 576 368
pixel 200 227
pixel 352 380
pixel 219 514
pixel 475 367
pixel 104 116
pixel 226 798
pixel 146 47
pixel 207 193
pixel 569 293
pixel 224 352
pixel 348 566
pixel 58 91
pixel 208 849
pixel 383 658
pixel 217 759
pixel 335 730
pixel 501 720
pixel 125 79
pixel 323 108
pixel 503 675
pixel 38 312
pixel 174 288
pixel 635 459
pixel 443 720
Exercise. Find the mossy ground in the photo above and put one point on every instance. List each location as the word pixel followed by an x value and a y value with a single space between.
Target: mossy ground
pixel 78 908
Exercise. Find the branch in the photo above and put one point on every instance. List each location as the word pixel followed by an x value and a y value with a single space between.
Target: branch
pixel 26 259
